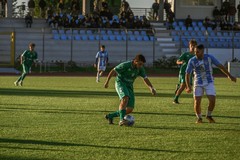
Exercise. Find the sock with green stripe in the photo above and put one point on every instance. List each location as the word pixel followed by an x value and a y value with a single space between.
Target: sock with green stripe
pixel 114 114
pixel 122 113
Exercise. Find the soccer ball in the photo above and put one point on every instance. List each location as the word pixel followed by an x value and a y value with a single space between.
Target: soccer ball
pixel 130 120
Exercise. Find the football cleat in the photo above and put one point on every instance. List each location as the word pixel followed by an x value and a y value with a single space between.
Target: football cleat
pixel 20 83
pixel 16 83
pixel 110 120
pixel 175 102
pixel 123 122
pixel 210 119
pixel 199 120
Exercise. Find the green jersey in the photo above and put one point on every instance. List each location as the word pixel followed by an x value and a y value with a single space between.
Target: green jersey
pixel 127 73
pixel 29 57
pixel 185 58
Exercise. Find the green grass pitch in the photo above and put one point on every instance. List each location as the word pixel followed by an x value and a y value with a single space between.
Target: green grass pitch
pixel 62 118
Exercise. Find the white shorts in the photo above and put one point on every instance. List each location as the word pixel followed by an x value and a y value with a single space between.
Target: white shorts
pixel 101 68
pixel 209 89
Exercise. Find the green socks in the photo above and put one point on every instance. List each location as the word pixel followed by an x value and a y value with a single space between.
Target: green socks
pixel 122 114
pixel 176 98
pixel 118 113
pixel 114 114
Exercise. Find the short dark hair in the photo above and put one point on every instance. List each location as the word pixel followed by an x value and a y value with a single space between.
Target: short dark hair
pixel 200 46
pixel 32 44
pixel 140 57
pixel 102 46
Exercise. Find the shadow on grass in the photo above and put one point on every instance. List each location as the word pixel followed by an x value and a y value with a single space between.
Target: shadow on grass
pixel 181 114
pixel 177 128
pixel 67 93
pixel 74 111
pixel 6 157
pixel 65 144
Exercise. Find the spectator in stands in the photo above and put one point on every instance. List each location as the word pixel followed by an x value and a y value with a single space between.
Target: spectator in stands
pixel 188 21
pixel 124 6
pixel 145 22
pixel 104 4
pixel 223 13
pixel 31 6
pixel 61 6
pixel 155 8
pixel 54 21
pixel 236 26
pixel 216 14
pixel 115 24
pixel 130 22
pixel 28 20
pixel 170 19
pixel 167 7
pixel 96 6
pixel 137 22
pixel 61 19
pixel 122 21
pixel 49 14
pixel 238 7
pixel 232 11
pixel 75 7
pixel 42 4
pixel 208 23
pixel 225 9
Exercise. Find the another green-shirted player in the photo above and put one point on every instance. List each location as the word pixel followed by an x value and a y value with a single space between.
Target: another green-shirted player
pixel 126 73
pixel 26 60
pixel 183 60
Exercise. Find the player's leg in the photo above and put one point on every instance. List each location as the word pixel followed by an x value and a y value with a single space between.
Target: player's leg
pixel 124 97
pixel 197 108
pixel 211 95
pixel 102 69
pixel 198 93
pixel 21 78
pixel 179 88
pixel 25 72
pixel 129 106
pixel 97 77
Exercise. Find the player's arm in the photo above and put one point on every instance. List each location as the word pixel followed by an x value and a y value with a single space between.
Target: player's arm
pixel 111 73
pixel 150 86
pixel 179 62
pixel 224 70
pixel 188 73
pixel 22 59
pixel 188 86
pixel 96 61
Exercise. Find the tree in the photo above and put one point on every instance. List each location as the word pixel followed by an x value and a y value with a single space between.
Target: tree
pixel 14 9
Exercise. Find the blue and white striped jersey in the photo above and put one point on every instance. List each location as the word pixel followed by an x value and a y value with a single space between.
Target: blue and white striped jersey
pixel 102 58
pixel 202 69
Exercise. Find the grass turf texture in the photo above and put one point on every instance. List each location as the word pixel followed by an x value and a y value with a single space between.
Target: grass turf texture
pixel 62 118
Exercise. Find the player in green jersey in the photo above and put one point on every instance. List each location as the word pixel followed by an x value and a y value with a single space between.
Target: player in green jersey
pixel 126 73
pixel 183 60
pixel 26 60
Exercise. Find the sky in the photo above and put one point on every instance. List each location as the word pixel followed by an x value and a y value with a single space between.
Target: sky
pixel 132 3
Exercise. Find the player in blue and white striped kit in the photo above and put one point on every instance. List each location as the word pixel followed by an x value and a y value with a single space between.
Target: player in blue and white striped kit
pixel 201 65
pixel 101 62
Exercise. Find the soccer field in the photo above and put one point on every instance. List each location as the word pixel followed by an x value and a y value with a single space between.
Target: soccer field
pixel 62 118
